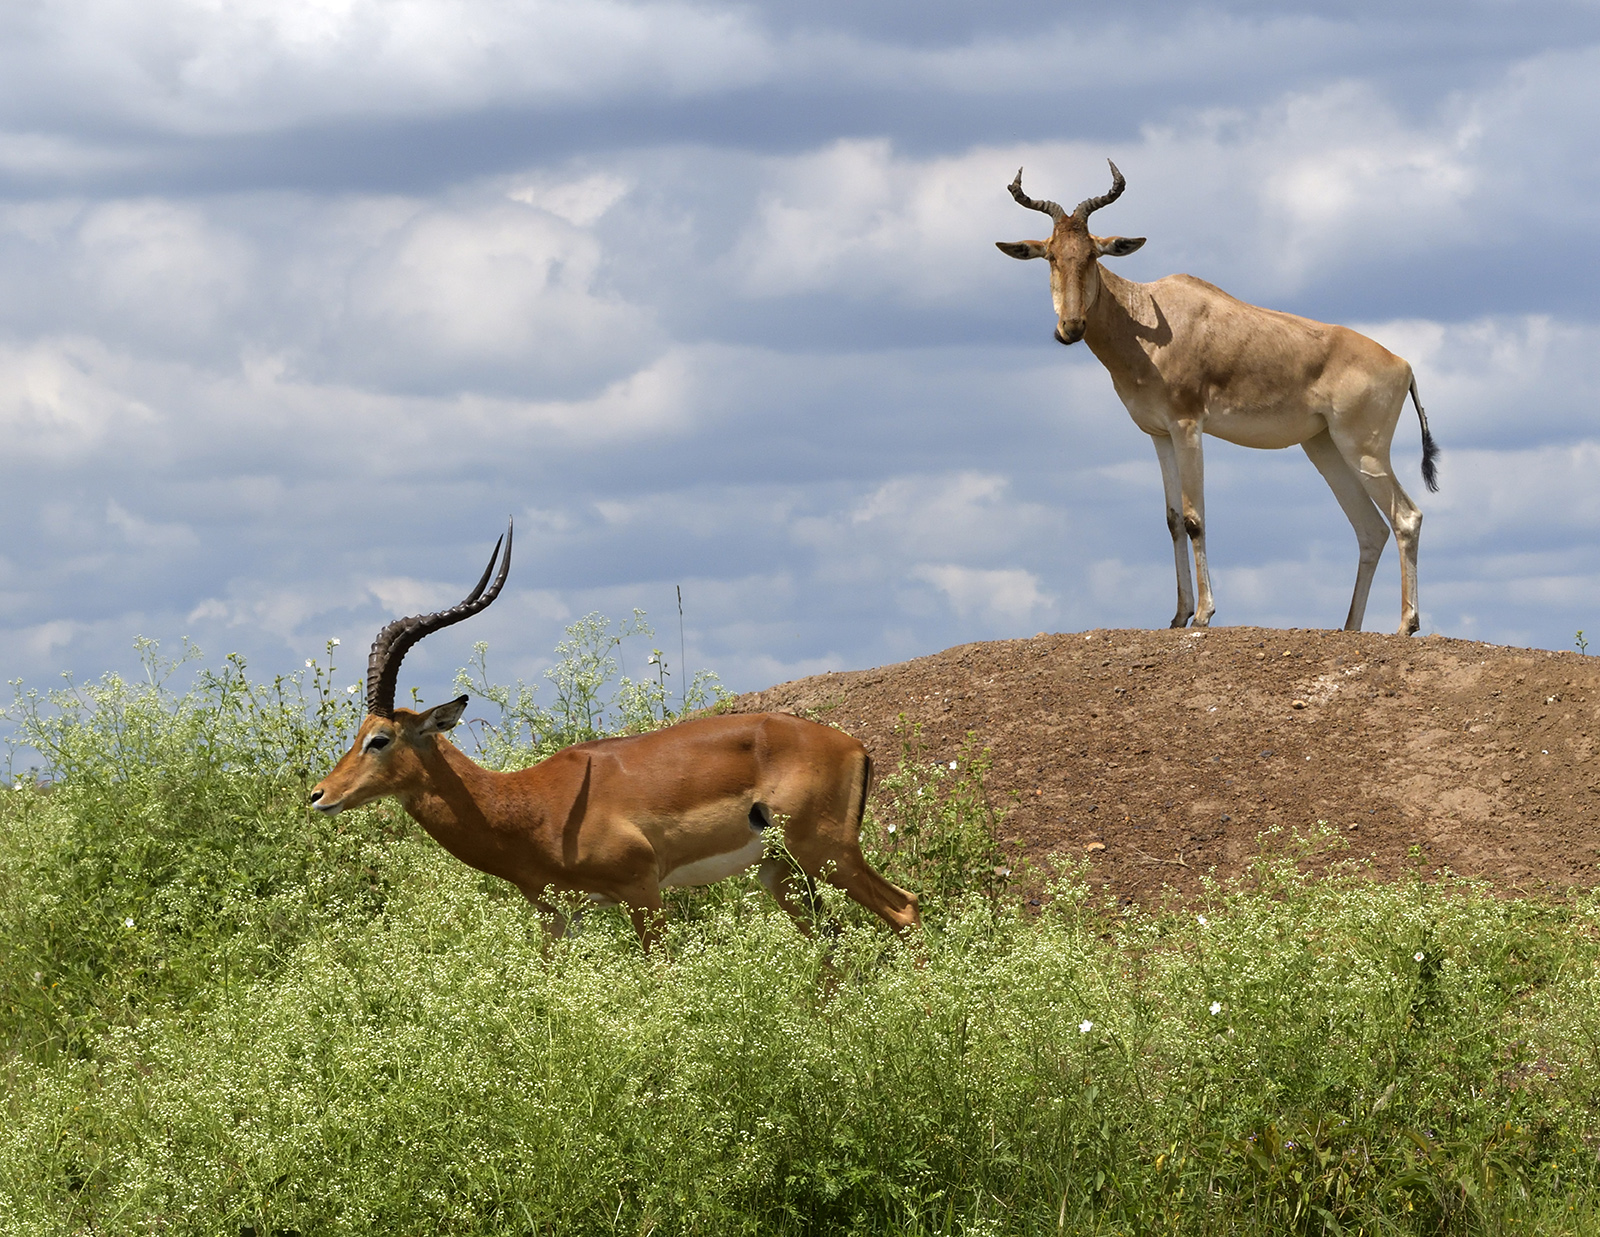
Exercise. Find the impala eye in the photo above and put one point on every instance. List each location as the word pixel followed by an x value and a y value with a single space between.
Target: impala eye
pixel 375 742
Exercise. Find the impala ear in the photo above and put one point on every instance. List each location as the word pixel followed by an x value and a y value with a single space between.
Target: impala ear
pixel 442 717
pixel 1021 250
pixel 1117 246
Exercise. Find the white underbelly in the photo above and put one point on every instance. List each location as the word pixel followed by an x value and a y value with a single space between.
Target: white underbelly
pixel 713 868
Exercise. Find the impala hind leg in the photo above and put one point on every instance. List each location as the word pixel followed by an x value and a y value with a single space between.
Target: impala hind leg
pixel 1372 534
pixel 1180 539
pixel 791 889
pixel 897 907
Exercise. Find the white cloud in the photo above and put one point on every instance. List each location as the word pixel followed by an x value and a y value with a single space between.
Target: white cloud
pixel 856 217
pixel 150 261
pixel 188 66
pixel 999 597
pixel 580 202
pixel 52 156
pixel 43 639
pixel 1501 381
pixel 402 595
pixel 149 535
pixel 62 398
pixel 499 285
pixel 925 517
pixel 1276 196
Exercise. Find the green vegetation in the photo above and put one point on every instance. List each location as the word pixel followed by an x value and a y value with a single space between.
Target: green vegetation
pixel 220 1014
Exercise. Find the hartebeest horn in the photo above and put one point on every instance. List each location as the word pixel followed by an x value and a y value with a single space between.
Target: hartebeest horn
pixel 383 663
pixel 1053 209
pixel 1088 206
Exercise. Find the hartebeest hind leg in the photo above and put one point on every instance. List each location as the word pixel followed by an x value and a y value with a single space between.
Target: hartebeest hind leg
pixel 1372 534
pixel 1369 460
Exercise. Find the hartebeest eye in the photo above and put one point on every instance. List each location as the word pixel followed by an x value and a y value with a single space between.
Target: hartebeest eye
pixel 375 742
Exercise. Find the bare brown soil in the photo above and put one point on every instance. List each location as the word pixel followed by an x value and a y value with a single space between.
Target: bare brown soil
pixel 1161 755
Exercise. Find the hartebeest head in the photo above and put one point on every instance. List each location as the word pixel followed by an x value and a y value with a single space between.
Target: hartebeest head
pixel 386 757
pixel 1074 254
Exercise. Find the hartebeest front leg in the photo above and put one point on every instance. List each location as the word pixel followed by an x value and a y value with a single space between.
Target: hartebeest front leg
pixel 1191 464
pixel 1180 539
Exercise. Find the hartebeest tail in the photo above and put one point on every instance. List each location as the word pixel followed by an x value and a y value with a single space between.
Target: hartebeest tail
pixel 1187 359
pixel 620 819
pixel 1430 449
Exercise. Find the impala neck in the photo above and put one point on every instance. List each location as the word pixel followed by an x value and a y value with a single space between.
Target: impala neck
pixel 452 801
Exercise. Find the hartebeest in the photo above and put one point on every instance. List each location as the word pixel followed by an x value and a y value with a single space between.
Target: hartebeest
pixel 1187 359
pixel 621 819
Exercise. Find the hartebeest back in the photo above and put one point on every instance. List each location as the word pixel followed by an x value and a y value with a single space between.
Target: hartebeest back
pixel 620 819
pixel 1187 359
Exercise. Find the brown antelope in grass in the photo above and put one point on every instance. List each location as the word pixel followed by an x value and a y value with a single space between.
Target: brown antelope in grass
pixel 621 819
pixel 1187 359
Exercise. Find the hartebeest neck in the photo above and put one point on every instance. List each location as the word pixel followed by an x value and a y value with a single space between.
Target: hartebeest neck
pixel 1123 324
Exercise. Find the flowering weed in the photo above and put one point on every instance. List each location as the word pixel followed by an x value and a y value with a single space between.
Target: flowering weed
pixel 221 1014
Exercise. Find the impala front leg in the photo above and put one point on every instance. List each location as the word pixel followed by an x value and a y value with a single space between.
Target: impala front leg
pixel 1180 539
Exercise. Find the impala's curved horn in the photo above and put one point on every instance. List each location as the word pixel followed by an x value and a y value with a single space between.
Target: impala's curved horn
pixel 392 643
pixel 1088 206
pixel 1053 209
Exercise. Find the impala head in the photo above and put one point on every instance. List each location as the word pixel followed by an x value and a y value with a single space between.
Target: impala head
pixel 386 757
pixel 1073 254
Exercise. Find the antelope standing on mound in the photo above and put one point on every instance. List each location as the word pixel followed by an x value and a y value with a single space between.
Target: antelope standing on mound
pixel 620 819
pixel 1187 359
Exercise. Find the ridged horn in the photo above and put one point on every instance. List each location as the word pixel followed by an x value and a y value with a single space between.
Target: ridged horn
pixel 1053 209
pixel 1088 206
pixel 393 642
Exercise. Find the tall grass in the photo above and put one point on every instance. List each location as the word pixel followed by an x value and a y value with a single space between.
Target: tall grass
pixel 221 1014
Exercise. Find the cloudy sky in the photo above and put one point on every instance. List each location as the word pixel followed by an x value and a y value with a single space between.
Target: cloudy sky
pixel 299 299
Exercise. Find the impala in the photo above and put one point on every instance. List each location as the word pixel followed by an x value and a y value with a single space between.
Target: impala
pixel 621 819
pixel 1187 359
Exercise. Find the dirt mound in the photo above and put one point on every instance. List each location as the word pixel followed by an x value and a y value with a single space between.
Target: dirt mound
pixel 1162 754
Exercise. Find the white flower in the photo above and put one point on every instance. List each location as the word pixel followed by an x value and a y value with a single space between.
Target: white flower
pixel 952 764
pixel 1417 957
pixel 1216 1008
pixel 18 786
pixel 1201 920
pixel 352 689
pixel 891 828
pixel 1085 1027
pixel 309 663
pixel 38 976
pixel 127 923
pixel 334 642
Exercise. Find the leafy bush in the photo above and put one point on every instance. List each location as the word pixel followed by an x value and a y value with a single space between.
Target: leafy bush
pixel 330 1026
pixel 588 704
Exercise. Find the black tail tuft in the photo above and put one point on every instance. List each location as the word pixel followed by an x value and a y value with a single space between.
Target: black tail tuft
pixel 1430 449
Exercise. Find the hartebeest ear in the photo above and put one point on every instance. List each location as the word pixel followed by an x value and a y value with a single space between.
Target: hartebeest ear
pixel 1021 250
pixel 1117 246
pixel 442 717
